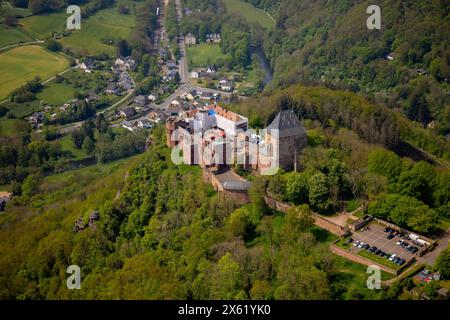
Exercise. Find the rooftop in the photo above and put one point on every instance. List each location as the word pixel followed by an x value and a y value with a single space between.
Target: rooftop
pixel 230 115
pixel 286 122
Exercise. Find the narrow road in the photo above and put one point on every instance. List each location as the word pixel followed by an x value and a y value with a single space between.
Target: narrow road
pixel 21 44
pixel 183 67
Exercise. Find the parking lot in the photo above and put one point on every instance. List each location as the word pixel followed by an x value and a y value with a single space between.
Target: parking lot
pixel 374 235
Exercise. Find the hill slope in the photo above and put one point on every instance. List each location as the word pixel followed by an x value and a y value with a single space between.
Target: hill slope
pixel 328 42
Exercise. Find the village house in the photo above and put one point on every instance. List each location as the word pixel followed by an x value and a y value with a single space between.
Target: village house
pixel 206 95
pixel 140 100
pixel 174 111
pixel 5 197
pixel 171 75
pixel 213 38
pixel 158 116
pixel 37 118
pixel 390 57
pixel 125 63
pixel 127 113
pixel 194 75
pixel 87 65
pixel 171 65
pixel 226 85
pixel 211 70
pixel 152 97
pixel 190 39
pixel 65 106
pixel 189 97
pixel 145 124
pixel 127 125
pixel 92 97
pixel 163 54
pixel 112 89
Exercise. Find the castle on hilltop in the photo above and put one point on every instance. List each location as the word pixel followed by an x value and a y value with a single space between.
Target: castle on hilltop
pixel 216 138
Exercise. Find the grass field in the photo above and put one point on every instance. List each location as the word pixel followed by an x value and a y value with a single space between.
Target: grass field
pixel 56 93
pixel 21 110
pixel 377 259
pixel 250 13
pixel 7 10
pixel 106 23
pixel 203 55
pixel 9 127
pixel 42 26
pixel 67 145
pixel 21 64
pixel 9 36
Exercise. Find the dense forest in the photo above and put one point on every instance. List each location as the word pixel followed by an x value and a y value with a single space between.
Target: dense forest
pixel 328 42
pixel 157 239
pixel 145 228
pixel 139 232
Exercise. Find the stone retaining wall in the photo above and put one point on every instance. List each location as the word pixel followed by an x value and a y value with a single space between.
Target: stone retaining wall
pixel 356 258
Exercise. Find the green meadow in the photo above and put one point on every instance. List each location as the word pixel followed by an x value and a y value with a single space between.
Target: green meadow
pixel 67 145
pixel 10 127
pixel 42 26
pixel 204 54
pixel 105 24
pixel 10 36
pixel 7 10
pixel 21 64
pixel 56 93
pixel 250 13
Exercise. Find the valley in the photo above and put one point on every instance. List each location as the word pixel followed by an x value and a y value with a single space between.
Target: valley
pixel 308 150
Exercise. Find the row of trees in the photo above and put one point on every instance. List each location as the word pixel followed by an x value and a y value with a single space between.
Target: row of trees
pixel 341 109
pixel 169 236
pixel 322 185
pixel 418 194
pixel 28 91
pixel 107 145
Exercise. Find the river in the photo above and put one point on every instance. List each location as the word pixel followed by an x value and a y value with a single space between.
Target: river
pixel 263 62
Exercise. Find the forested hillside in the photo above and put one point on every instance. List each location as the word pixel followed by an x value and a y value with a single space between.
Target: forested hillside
pixel 328 42
pixel 166 235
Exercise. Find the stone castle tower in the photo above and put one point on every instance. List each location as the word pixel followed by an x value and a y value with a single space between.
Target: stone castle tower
pixel 285 138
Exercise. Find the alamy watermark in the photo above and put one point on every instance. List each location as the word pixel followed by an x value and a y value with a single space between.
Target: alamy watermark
pixel 374 20
pixel 74 280
pixel 374 280
pixel 73 22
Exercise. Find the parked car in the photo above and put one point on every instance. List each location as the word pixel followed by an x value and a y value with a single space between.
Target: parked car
pixel 366 247
pixel 387 229
pixel 355 244
pixel 360 245
pixel 349 240
pixel 373 249
pixel 389 237
pixel 392 257
pixel 399 242
pixel 402 261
